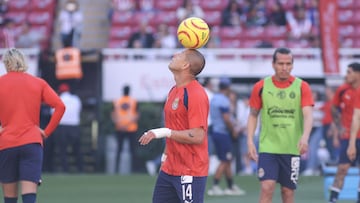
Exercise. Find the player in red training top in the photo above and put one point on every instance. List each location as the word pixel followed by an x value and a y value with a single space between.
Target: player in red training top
pixel 21 138
pixel 342 115
pixel 185 160
pixel 354 147
pixel 284 103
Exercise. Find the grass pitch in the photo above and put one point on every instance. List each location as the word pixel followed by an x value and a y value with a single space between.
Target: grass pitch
pixel 138 188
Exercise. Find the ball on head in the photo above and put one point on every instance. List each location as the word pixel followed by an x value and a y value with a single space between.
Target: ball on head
pixel 193 33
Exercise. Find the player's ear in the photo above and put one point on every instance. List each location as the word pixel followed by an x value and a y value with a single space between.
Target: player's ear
pixel 186 65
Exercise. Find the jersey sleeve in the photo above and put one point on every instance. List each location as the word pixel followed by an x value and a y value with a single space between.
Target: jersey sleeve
pixel 357 99
pixel 337 96
pixel 306 95
pixel 53 100
pixel 255 97
pixel 198 109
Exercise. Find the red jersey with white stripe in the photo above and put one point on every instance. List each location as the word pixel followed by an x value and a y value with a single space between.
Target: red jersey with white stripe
pixel 21 98
pixel 187 159
pixel 344 100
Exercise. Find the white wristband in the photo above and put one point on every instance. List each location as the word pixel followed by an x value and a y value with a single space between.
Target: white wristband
pixel 163 157
pixel 161 132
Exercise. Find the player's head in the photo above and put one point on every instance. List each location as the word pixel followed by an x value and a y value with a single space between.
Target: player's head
pixel 355 66
pixel 281 51
pixel 282 63
pixel 224 83
pixel 63 87
pixel 126 90
pixel 14 61
pixel 189 59
pixel 353 73
pixel 196 61
pixel 71 5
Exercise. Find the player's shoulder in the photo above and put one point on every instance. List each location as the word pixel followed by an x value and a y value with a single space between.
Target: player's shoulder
pixel 195 87
pixel 304 84
pixel 343 88
pixel 258 85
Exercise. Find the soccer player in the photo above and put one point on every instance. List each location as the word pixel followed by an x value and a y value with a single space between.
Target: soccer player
pixel 184 170
pixel 343 109
pixel 285 103
pixel 353 149
pixel 21 138
pixel 223 134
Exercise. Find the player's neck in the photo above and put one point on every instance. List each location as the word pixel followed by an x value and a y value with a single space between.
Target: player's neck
pixel 356 84
pixel 182 80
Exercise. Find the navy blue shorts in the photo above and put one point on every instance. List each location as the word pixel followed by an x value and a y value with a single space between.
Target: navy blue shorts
pixel 21 163
pixel 179 189
pixel 223 146
pixel 282 168
pixel 343 158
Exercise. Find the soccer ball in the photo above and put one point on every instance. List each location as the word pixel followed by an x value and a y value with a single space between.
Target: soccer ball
pixel 193 33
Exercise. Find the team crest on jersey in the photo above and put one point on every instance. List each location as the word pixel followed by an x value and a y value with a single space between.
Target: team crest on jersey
pixel 175 104
pixel 281 94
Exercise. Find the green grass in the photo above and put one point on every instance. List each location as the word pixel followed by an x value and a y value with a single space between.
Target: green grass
pixel 138 189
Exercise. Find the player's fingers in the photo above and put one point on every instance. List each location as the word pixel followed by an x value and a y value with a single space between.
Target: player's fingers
pixel 142 139
pixel 252 155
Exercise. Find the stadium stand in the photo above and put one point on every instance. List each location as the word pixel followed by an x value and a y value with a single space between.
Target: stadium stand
pixel 242 37
pixel 39 13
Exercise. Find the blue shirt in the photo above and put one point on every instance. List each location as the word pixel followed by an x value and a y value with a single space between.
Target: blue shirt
pixel 219 105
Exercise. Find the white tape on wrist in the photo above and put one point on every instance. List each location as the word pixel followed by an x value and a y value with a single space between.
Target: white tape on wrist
pixel 161 132
pixel 163 157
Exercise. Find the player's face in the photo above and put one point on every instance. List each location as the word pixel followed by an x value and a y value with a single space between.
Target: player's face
pixel 283 66
pixel 351 76
pixel 177 61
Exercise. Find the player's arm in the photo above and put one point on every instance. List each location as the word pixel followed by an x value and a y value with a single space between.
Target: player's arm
pixel 190 136
pixel 355 126
pixel 51 98
pixel 307 106
pixel 228 122
pixel 307 125
pixel 336 115
pixel 251 128
pixel 255 103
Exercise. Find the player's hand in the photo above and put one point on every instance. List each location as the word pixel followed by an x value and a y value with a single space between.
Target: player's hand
pixel 146 138
pixel 351 152
pixel 42 132
pixel 1 129
pixel 252 153
pixel 303 145
pixel 336 142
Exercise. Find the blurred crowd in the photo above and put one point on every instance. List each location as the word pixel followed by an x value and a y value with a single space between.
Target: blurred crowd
pixel 296 21
pixel 153 24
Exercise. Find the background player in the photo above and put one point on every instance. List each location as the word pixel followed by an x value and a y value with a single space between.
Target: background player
pixel 286 121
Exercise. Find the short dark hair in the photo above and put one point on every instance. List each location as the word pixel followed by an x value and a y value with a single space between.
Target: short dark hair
pixel 224 83
pixel 355 66
pixel 126 90
pixel 281 50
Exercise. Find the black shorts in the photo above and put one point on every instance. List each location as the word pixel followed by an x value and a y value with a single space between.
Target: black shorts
pixel 169 189
pixel 283 168
pixel 21 163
